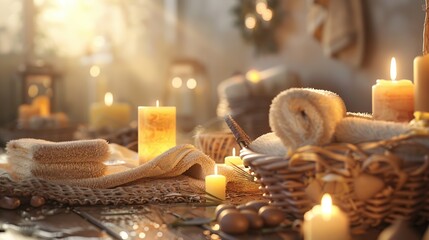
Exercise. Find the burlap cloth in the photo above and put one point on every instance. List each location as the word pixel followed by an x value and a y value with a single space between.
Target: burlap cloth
pixel 175 176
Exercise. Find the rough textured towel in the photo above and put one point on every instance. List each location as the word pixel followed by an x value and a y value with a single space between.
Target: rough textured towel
pixel 55 152
pixel 268 144
pixel 182 159
pixel 51 171
pixel 304 116
pixel 358 130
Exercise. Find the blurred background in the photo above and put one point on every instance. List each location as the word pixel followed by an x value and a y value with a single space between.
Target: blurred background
pixel 208 58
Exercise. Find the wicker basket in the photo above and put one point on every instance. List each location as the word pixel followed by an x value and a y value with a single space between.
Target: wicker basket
pixel 216 145
pixel 296 183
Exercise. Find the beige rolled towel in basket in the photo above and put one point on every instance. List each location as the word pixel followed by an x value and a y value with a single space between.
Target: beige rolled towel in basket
pixel 305 116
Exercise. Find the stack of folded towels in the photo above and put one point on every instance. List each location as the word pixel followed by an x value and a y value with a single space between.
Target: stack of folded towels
pixel 57 160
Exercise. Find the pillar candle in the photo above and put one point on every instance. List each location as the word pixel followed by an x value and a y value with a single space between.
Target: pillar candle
pixel 156 131
pixel 326 221
pixel 233 160
pixel 216 185
pixel 393 100
pixel 421 81
pixel 109 115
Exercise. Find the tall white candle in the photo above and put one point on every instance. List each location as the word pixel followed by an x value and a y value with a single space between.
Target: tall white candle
pixel 326 221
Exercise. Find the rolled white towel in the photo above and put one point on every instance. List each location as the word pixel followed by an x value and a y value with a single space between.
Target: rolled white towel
pixel 268 144
pixel 305 116
pixel 358 130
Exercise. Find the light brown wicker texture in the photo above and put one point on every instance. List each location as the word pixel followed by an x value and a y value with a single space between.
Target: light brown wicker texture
pixel 400 163
pixel 217 145
pixel 398 168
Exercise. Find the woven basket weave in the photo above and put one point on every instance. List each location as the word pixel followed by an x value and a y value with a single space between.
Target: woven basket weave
pixel 217 145
pixel 401 163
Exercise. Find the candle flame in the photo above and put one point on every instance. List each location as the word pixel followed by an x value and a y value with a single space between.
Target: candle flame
pixel 157 103
pixel 326 203
pixel 393 69
pixel 108 99
pixel 233 152
pixel 215 169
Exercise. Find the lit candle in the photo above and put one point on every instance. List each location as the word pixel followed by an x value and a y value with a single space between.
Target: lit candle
pixel 233 160
pixel 216 185
pixel 109 115
pixel 326 221
pixel 43 104
pixel 393 100
pixel 156 131
pixel 421 81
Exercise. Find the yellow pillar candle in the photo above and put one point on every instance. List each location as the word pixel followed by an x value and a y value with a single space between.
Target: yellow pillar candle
pixel 216 185
pixel 156 131
pixel 233 160
pixel 109 115
pixel 393 100
pixel 326 221
pixel 421 81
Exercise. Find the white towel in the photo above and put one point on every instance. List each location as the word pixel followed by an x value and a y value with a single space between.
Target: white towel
pixel 357 130
pixel 305 116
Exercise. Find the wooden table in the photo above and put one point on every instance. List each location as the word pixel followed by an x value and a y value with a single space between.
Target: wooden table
pixel 118 222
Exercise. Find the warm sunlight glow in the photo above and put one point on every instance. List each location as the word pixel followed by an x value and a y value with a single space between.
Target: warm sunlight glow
pixel 176 82
pixel 393 69
pixel 108 99
pixel 326 204
pixel 94 71
pixel 253 75
pixel 191 83
pixel 267 15
pixel 250 22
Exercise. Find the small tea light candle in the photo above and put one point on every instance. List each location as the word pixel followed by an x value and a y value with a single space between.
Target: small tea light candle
pixel 233 160
pixel 156 131
pixel 326 221
pixel 393 100
pixel 216 184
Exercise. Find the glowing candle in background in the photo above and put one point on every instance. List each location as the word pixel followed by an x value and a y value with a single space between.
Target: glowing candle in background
pixel 326 221
pixel 156 131
pixel 216 185
pixel 233 160
pixel 393 100
pixel 109 115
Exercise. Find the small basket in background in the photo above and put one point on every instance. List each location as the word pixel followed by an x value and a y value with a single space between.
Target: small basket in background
pixel 216 145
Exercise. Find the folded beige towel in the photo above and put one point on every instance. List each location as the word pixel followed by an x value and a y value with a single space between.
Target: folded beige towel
pixel 182 159
pixel 304 116
pixel 268 144
pixel 59 152
pixel 51 171
pixel 358 130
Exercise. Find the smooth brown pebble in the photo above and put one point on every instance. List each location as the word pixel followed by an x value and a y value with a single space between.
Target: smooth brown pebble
pixel 271 215
pixel 255 221
pixel 256 204
pixel 220 208
pixel 232 221
pixel 9 202
pixel 37 201
pixel 243 207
